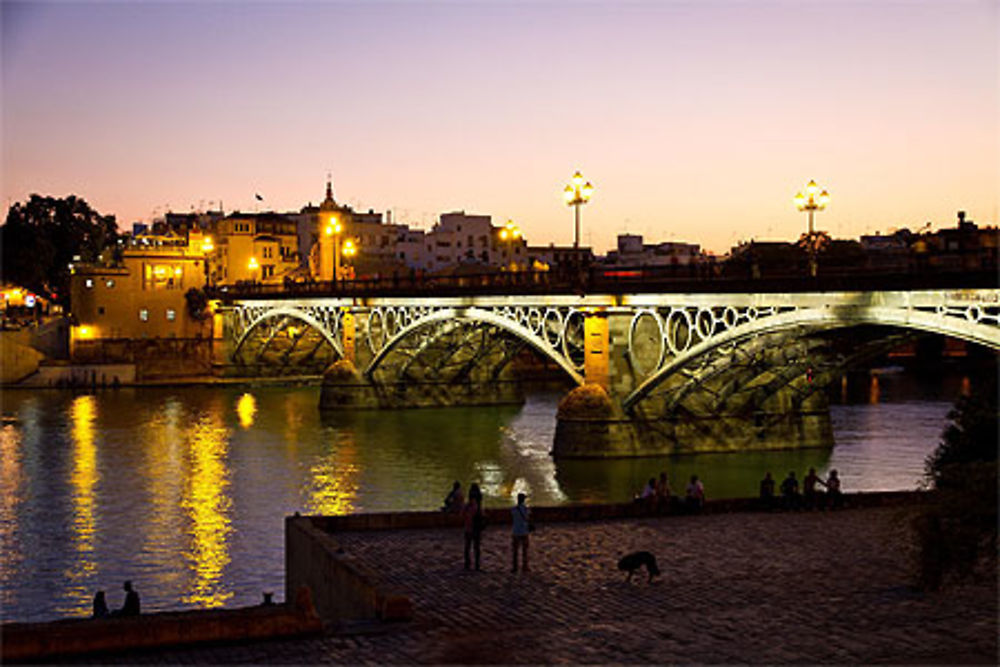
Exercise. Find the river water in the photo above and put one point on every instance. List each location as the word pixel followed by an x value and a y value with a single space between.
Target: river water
pixel 184 490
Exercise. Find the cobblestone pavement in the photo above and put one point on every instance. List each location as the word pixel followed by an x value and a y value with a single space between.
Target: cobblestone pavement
pixel 736 588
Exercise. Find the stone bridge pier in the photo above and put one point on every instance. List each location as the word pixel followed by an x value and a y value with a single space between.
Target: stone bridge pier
pixel 654 373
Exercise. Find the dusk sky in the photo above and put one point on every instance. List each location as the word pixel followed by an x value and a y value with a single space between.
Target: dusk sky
pixel 695 121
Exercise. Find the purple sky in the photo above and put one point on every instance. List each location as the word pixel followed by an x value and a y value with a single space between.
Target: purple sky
pixel 696 121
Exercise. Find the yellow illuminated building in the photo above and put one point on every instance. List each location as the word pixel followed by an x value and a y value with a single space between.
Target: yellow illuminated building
pixel 142 295
pixel 254 247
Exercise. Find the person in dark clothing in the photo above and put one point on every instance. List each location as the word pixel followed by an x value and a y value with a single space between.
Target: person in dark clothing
pixel 767 492
pixel 131 606
pixel 100 605
pixel 473 522
pixel 811 493
pixel 790 491
pixel 454 501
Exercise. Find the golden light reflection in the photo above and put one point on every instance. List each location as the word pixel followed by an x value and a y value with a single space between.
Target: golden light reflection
pixel 246 409
pixel 11 479
pixel 873 390
pixel 207 504
pixel 83 480
pixel 335 478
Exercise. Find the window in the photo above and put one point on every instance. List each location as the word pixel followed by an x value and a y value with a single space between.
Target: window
pixel 100 310
pixel 88 283
pixel 171 314
pixel 144 314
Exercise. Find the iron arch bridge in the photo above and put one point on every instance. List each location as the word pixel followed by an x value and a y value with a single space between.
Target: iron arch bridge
pixel 643 348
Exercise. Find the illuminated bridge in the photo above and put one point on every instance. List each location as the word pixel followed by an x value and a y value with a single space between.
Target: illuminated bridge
pixel 683 370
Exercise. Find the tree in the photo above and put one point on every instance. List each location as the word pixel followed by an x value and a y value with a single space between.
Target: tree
pixel 41 238
pixel 197 304
pixel 958 527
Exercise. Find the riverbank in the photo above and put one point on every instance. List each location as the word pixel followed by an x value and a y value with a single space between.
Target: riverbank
pixel 816 587
pixel 184 381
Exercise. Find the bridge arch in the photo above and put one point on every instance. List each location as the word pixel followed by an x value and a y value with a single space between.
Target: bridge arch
pixel 293 313
pixel 970 328
pixel 474 314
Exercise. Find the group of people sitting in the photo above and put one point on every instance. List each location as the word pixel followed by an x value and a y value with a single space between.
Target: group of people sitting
pixel 129 608
pixel 656 497
pixel 811 497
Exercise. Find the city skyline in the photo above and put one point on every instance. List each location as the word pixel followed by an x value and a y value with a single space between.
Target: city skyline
pixel 695 123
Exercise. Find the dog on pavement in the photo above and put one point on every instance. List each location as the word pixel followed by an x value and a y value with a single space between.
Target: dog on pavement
pixel 633 561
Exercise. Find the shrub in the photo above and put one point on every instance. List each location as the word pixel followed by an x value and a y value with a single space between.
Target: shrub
pixel 957 530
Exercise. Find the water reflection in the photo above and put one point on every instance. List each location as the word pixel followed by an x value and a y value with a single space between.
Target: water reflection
pixel 334 483
pixel 208 505
pixel 83 480
pixel 11 482
pixel 873 391
pixel 246 409
pixel 162 470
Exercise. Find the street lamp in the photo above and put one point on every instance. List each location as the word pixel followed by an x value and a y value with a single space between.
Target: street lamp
pixel 575 194
pixel 350 249
pixel 333 229
pixel 253 266
pixel 812 200
pixel 509 233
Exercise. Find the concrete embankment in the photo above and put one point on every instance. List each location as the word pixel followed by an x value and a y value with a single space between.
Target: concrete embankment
pixel 346 589
pixel 44 641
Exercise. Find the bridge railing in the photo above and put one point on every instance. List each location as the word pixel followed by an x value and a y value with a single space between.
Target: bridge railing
pixel 606 280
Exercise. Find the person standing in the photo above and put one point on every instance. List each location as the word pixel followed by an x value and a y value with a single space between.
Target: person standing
pixel 520 527
pixel 473 521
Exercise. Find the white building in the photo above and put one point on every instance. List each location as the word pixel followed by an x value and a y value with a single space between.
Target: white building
pixel 633 252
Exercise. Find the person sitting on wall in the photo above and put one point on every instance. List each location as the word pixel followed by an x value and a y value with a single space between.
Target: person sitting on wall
pixel 454 501
pixel 694 497
pixel 790 491
pixel 648 495
pixel 812 495
pixel 131 606
pixel 834 496
pixel 767 492
pixel 100 605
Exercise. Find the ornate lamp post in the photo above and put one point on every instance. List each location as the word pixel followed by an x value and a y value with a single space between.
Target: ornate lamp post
pixel 575 194
pixel 509 233
pixel 813 200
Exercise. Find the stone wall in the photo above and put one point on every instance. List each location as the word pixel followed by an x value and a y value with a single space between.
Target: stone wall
pixel 342 588
pixel 44 641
